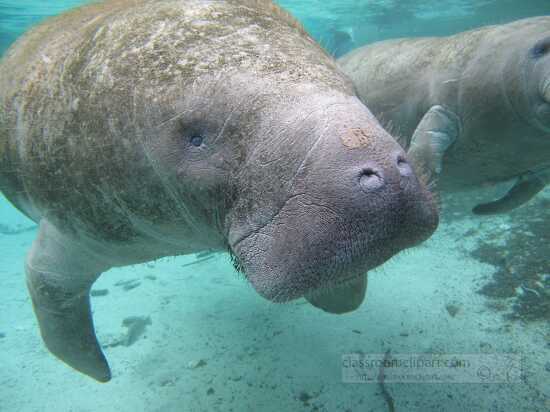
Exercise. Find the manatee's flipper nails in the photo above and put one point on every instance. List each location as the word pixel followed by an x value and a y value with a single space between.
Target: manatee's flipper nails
pixel 437 130
pixel 59 286
pixel 342 299
pixel 526 187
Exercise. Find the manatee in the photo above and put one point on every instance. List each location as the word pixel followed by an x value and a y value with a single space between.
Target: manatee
pixel 131 130
pixel 474 106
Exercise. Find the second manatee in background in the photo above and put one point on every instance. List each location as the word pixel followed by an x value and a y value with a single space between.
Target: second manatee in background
pixel 475 106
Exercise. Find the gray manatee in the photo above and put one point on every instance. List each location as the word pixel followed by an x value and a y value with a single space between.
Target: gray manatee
pixel 475 106
pixel 134 129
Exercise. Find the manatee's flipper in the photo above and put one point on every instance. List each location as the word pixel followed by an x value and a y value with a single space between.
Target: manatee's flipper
pixel 437 130
pixel 59 277
pixel 343 299
pixel 525 188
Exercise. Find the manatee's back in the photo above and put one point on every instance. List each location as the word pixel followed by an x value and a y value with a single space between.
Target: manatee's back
pixel 28 67
pixel 396 78
pixel 84 95
pixel 387 75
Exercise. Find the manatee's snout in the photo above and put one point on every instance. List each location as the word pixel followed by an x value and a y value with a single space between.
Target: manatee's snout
pixel 396 211
pixel 354 202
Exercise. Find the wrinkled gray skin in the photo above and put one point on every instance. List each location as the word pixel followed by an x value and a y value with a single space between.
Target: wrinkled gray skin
pixel 475 106
pixel 133 130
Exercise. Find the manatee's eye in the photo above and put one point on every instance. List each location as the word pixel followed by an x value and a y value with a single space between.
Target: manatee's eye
pixel 541 48
pixel 196 140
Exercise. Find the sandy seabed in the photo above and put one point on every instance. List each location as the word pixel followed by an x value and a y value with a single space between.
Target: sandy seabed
pixel 214 345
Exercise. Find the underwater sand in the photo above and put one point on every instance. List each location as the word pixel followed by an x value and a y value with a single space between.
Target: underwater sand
pixel 214 345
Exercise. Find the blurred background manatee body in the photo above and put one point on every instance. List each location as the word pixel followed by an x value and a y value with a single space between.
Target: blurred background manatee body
pixel 484 94
pixel 132 130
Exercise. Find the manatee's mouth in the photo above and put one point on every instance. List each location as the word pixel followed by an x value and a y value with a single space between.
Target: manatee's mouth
pixel 318 282
pixel 343 281
pixel 286 259
pixel 317 277
pixel 343 297
pixel 335 282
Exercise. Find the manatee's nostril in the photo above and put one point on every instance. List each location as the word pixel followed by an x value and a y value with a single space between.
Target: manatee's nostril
pixel 401 161
pixel 369 172
pixel 370 179
pixel 403 166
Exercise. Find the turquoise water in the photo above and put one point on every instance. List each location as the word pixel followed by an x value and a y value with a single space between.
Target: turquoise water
pixel 364 21
pixel 188 334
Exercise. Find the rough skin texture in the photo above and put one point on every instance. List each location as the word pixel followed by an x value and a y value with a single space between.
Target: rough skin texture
pixel 75 85
pixel 133 130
